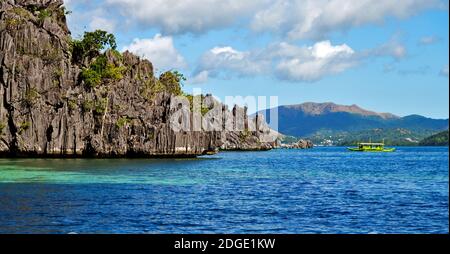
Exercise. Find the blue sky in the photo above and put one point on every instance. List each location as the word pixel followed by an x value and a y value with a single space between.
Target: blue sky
pixel 383 55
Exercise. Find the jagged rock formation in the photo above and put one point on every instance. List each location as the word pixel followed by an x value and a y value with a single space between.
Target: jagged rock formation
pixel 304 144
pixel 248 133
pixel 47 109
pixel 301 144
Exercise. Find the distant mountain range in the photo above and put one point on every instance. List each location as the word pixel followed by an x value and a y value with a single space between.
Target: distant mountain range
pixel 330 120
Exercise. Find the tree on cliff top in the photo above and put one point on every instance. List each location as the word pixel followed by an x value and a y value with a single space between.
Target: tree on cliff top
pixel 172 82
pixel 94 73
pixel 91 45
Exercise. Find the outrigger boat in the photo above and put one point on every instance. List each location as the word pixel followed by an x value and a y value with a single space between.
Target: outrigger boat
pixel 371 147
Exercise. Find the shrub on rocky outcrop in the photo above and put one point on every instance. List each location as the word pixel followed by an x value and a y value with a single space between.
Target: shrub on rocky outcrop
pixel 2 127
pixel 172 82
pixel 91 45
pixel 31 96
pixel 123 121
pixel 101 70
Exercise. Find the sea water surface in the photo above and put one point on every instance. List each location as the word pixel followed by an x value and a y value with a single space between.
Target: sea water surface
pixel 323 190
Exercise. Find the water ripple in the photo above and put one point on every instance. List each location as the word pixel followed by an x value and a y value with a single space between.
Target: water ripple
pixel 324 190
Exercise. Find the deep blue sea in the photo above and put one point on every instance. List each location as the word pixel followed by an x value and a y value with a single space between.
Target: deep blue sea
pixel 323 190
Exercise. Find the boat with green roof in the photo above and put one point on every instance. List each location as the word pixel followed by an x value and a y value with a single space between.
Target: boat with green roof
pixel 371 147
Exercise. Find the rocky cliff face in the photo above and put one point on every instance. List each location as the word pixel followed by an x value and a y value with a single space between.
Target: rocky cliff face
pixel 301 144
pixel 46 109
pixel 252 134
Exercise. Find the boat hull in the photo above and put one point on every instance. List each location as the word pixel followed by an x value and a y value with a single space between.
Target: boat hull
pixel 385 150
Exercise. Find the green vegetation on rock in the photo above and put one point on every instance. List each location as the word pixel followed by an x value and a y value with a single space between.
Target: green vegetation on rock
pixel 101 70
pixel 91 45
pixel 203 108
pixel 43 14
pixel 23 127
pixel 72 104
pixel 244 135
pixel 2 127
pixel 170 81
pixel 123 121
pixel 31 96
pixel 87 106
pixel 100 106
pixel 91 78
pixel 14 22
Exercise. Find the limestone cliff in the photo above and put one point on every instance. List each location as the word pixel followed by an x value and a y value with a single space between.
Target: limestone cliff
pixel 50 106
pixel 254 133
pixel 46 109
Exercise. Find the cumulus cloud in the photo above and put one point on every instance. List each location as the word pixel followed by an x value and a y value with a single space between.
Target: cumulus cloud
pixel 283 60
pixel 318 61
pixel 444 71
pixel 199 78
pixel 393 48
pixel 225 62
pixel 187 16
pixel 290 62
pixel 300 19
pixel 296 19
pixel 160 50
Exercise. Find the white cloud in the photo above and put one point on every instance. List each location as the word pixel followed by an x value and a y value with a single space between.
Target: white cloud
pixel 320 60
pixel 160 50
pixel 102 24
pixel 287 61
pixel 294 19
pixel 444 71
pixel 200 78
pixel 187 16
pixel 393 48
pixel 225 62
pixel 284 61
pixel 300 19
pixel 396 50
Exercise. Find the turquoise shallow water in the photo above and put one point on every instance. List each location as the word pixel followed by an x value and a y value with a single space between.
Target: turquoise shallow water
pixel 324 190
